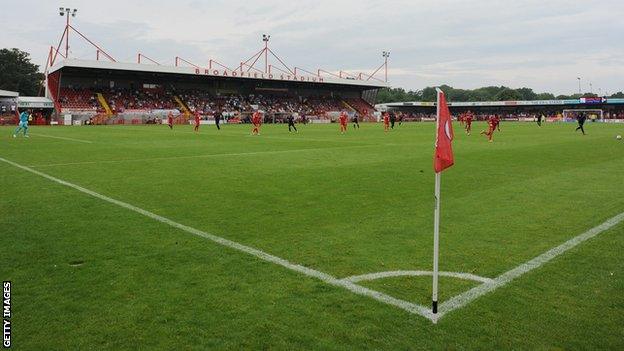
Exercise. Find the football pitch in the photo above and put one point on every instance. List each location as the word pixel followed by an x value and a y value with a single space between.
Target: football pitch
pixel 141 237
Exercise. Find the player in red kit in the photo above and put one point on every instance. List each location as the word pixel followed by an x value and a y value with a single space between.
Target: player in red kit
pixel 343 122
pixel 196 121
pixel 386 121
pixel 492 125
pixel 256 119
pixel 170 120
pixel 468 122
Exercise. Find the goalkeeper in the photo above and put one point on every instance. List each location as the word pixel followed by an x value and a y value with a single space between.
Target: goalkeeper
pixel 23 124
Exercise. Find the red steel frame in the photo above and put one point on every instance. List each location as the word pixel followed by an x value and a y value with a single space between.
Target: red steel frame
pixel 139 55
pixel 178 59
pixel 255 57
pixel 279 69
pixel 54 52
pixel 218 63
pixel 308 72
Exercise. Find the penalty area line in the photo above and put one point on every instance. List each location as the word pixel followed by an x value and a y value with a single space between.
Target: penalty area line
pixel 327 278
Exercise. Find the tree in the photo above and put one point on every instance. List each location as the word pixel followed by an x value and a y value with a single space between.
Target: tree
pixel 526 94
pixel 491 93
pixel 545 96
pixel 429 94
pixel 618 95
pixel 508 95
pixel 17 73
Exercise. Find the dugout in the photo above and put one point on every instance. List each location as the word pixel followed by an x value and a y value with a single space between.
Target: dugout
pixel 11 103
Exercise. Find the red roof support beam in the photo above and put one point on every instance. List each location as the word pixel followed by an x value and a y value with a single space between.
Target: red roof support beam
pixel 92 43
pixel 145 57
pixel 308 72
pixel 279 69
pixel 324 71
pixel 218 63
pixel 377 70
pixel 59 47
pixel 250 67
pixel 178 58
pixel 346 74
pixel 254 55
pixel 282 62
pixel 258 55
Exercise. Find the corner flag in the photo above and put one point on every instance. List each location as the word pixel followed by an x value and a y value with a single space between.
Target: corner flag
pixel 442 159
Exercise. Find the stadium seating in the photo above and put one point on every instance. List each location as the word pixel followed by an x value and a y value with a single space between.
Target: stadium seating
pixel 361 106
pixel 145 100
pixel 79 99
pixel 123 100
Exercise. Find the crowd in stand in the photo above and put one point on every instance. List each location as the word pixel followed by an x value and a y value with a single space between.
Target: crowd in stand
pixel 276 106
pixel 122 100
pixel 78 98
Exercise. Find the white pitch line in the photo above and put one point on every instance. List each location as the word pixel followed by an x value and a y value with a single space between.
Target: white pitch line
pixel 463 299
pixel 390 274
pixel 63 138
pixel 197 156
pixel 327 278
pixel 454 303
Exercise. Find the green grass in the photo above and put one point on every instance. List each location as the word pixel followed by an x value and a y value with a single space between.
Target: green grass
pixel 342 204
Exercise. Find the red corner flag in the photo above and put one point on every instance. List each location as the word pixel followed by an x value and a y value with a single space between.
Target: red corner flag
pixel 443 157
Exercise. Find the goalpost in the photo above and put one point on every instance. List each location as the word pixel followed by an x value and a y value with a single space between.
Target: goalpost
pixel 592 114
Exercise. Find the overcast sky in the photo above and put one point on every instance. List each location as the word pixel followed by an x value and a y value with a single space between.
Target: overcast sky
pixel 539 44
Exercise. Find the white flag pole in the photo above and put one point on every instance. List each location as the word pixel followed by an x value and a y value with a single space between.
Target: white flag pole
pixel 436 218
pixel 436 239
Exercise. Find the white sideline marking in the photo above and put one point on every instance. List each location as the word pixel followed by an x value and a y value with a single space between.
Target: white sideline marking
pixel 380 275
pixel 198 156
pixel 463 299
pixel 357 289
pixel 63 138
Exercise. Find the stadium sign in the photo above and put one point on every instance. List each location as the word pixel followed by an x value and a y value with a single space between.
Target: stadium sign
pixel 591 100
pixel 34 102
pixel 258 75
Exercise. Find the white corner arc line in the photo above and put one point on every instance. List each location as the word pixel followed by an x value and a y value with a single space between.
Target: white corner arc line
pixel 463 299
pixel 390 274
pixel 63 138
pixel 327 278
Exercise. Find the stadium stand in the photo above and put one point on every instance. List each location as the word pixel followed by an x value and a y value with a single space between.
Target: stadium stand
pixel 361 106
pixel 78 99
pixel 146 100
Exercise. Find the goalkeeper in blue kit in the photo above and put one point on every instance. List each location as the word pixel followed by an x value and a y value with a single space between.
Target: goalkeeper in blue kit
pixel 23 124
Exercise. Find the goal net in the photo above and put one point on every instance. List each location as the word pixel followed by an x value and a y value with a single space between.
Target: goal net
pixel 592 114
